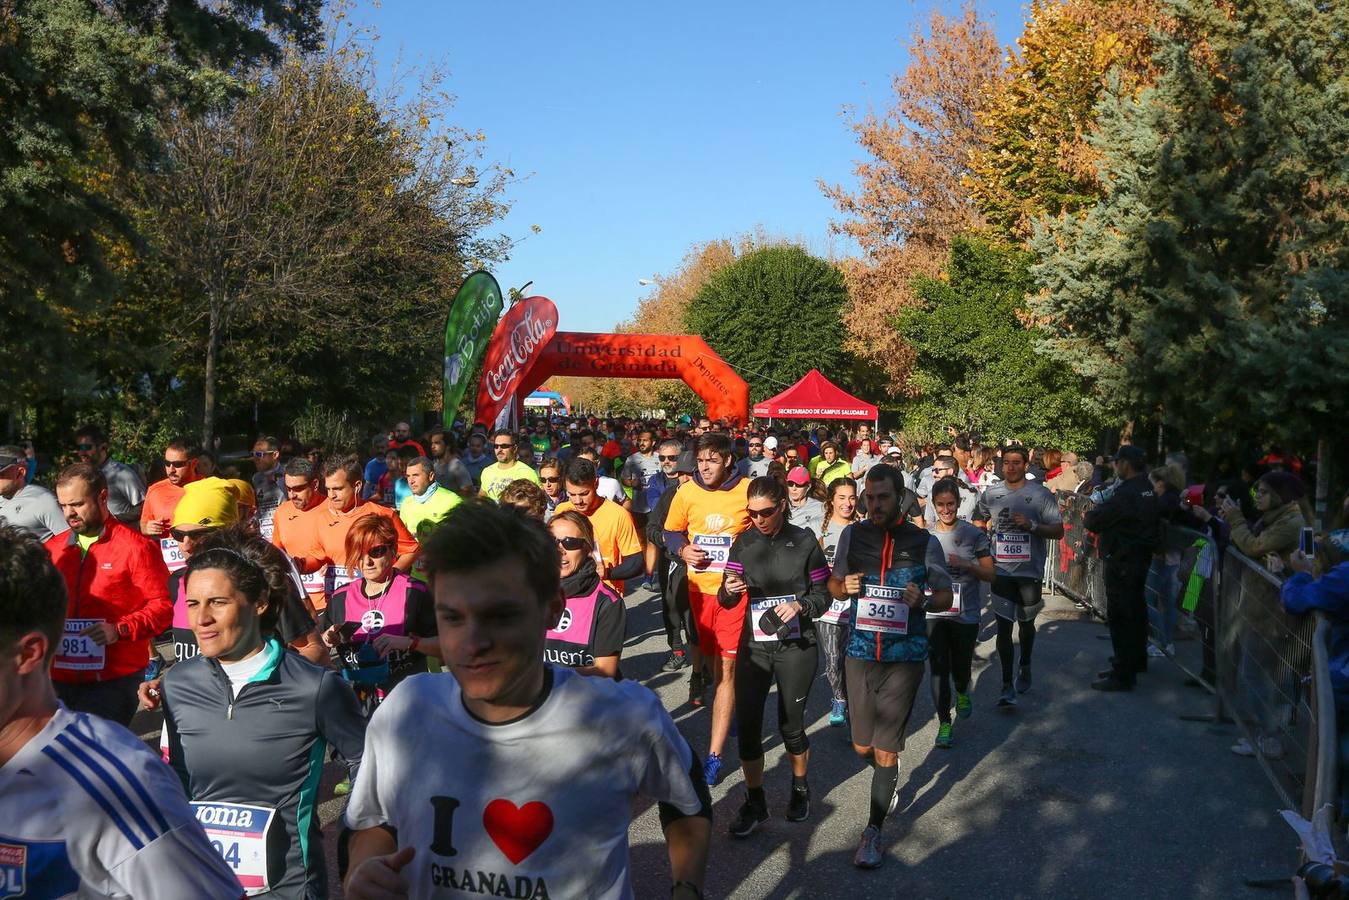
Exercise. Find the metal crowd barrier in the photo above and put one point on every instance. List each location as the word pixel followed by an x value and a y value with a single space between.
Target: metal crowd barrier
pixel 1268 671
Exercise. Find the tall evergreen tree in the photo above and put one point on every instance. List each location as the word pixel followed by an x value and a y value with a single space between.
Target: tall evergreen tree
pixel 1210 284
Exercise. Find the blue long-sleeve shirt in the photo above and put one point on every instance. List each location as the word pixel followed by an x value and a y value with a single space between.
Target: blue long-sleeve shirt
pixel 1329 594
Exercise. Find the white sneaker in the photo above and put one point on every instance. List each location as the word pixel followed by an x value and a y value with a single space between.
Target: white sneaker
pixel 1156 652
pixel 1243 748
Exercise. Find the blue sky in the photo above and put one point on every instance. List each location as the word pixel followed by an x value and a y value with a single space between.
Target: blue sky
pixel 645 128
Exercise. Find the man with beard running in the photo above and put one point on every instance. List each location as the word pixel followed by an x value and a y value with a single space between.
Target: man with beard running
pixel 895 573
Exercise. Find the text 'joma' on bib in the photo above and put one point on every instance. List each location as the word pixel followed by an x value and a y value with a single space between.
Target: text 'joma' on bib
pixel 239 834
pixel 1011 546
pixel 78 652
pixel 718 550
pixel 759 606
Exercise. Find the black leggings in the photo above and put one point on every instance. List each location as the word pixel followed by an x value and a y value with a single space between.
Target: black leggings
pixel 950 647
pixel 1005 645
pixel 792 667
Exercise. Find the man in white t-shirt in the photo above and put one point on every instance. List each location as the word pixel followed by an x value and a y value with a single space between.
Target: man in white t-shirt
pixel 507 776
pixel 89 810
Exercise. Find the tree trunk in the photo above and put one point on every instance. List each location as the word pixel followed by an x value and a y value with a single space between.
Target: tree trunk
pixel 208 386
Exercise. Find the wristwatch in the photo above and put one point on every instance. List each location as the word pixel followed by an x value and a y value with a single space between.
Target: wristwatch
pixel 685 890
pixel 123 630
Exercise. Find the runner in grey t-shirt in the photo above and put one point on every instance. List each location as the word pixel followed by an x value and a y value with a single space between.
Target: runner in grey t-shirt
pixel 28 507
pixel 1019 516
pixel 638 470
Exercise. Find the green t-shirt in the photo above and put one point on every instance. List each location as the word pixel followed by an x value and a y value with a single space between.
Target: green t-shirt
pixel 495 477
pixel 416 511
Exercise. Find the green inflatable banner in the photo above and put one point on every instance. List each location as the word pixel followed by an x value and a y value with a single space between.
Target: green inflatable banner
pixel 473 315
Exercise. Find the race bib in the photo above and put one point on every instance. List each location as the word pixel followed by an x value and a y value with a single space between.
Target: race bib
pixel 239 834
pixel 1011 546
pixel 758 607
pixel 838 613
pixel 341 576
pixel 718 550
pixel 266 527
pixel 313 581
pixel 79 653
pixel 957 608
pixel 172 553
pixel 882 608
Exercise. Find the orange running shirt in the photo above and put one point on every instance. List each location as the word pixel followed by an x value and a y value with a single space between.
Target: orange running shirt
pixel 161 499
pixel 329 537
pixel 293 535
pixel 712 520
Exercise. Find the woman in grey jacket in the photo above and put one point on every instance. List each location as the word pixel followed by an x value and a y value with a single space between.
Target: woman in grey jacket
pixel 249 723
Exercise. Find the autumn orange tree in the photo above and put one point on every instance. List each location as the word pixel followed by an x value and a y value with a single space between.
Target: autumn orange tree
pixel 1035 159
pixel 912 197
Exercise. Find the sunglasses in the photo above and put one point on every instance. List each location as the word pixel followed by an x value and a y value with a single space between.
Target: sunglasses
pixel 179 535
pixel 502 446
pixel 378 552
pixel 572 543
pixel 176 463
pixel 259 454
pixel 753 445
pixel 84 448
pixel 674 458
pixel 793 457
pixel 546 480
pixel 761 513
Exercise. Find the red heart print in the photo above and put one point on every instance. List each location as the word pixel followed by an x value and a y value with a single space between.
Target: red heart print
pixel 517 831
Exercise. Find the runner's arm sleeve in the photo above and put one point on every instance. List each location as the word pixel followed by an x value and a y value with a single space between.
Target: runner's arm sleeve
pixel 1049 511
pixel 422 612
pixel 50 515
pixel 611 629
pixel 406 542
pixel 734 566
pixel 340 720
pixel 630 567
pixel 655 523
pixel 175 743
pixel 293 621
pixel 629 542
pixel 179 861
pixel 150 578
pixel 982 545
pixel 981 513
pixel 673 775
pixel 817 599
pixel 676 524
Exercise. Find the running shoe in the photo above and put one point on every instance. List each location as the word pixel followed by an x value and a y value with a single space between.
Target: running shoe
pixel 678 660
pixel 342 788
pixel 1023 680
pixel 837 714
pixel 964 708
pixel 944 736
pixel 712 768
pixel 868 855
pixel 798 807
pixel 749 818
pixel 696 688
pixel 1008 697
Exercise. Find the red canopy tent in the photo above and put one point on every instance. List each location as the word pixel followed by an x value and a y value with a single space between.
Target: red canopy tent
pixel 815 397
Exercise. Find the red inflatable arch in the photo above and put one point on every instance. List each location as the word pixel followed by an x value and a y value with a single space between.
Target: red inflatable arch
pixel 645 356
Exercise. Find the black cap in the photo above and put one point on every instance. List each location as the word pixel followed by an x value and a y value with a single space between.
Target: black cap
pixel 688 463
pixel 1133 455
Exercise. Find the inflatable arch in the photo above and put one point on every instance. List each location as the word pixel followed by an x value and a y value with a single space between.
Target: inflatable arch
pixel 685 357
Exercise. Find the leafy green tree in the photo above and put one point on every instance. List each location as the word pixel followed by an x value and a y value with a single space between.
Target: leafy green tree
pixel 1209 287
pixel 313 231
pixel 80 82
pixel 976 367
pixel 774 314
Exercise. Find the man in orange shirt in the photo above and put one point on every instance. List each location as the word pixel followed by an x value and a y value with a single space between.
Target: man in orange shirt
pixel 332 520
pixel 615 534
pixel 162 497
pixel 706 516
pixel 293 527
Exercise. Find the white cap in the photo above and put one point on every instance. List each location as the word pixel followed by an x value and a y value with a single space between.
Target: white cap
pixel 770 443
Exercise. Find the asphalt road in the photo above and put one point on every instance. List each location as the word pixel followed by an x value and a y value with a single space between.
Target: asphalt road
pixel 1071 794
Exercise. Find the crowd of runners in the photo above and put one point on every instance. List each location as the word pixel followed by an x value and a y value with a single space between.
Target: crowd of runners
pixel 447 617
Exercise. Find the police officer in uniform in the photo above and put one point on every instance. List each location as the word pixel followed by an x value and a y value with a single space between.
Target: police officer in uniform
pixel 1127 522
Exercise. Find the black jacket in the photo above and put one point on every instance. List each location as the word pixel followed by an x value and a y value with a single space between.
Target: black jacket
pixel 790 562
pixel 1128 522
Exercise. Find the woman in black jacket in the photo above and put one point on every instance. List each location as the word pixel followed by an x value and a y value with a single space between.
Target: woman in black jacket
pixel 781 568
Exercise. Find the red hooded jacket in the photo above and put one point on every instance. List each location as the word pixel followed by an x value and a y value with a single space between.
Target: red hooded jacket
pixel 123 581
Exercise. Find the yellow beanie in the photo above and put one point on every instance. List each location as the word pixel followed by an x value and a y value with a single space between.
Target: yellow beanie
pixel 244 491
pixel 212 501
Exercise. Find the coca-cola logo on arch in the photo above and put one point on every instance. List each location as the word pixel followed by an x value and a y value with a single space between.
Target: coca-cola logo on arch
pixel 528 335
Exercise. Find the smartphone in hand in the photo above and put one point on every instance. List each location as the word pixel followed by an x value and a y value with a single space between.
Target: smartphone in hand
pixel 1307 543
